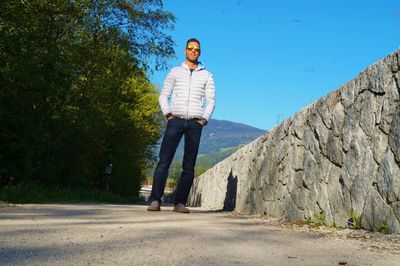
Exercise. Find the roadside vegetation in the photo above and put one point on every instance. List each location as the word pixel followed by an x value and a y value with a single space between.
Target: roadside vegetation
pixel 75 96
pixel 43 193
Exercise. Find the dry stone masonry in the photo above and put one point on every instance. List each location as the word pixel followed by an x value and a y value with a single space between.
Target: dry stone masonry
pixel 336 161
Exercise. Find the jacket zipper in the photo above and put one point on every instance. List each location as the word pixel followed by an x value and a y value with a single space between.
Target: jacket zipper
pixel 190 86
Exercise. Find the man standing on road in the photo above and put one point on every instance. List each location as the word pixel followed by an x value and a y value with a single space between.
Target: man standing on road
pixel 188 86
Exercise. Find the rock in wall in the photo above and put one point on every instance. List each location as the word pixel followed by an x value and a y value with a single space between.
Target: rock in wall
pixel 337 160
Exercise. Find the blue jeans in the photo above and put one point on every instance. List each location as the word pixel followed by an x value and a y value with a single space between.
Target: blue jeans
pixel 176 128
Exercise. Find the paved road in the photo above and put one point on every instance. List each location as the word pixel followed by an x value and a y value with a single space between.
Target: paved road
pixel 129 235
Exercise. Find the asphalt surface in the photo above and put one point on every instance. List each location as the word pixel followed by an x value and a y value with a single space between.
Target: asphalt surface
pixel 102 234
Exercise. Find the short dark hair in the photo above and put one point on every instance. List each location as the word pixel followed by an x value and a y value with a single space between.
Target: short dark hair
pixel 192 40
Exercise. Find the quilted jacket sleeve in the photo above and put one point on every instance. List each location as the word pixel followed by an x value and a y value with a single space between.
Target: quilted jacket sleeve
pixel 210 98
pixel 166 93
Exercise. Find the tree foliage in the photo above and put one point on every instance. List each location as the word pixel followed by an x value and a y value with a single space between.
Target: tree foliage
pixel 73 89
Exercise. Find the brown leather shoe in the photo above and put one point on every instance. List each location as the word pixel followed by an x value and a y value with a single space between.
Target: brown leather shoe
pixel 181 208
pixel 154 206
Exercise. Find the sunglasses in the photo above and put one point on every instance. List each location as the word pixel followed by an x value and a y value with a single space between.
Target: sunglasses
pixel 193 48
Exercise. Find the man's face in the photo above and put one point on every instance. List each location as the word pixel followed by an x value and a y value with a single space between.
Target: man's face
pixel 192 51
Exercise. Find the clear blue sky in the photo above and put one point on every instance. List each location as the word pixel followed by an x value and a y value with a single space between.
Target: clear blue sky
pixel 272 58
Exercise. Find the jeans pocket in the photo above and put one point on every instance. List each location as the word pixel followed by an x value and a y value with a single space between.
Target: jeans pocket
pixel 198 123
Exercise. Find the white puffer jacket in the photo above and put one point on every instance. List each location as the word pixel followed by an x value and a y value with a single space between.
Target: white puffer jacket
pixel 187 91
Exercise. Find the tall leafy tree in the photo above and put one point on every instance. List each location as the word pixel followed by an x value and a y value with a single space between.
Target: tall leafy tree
pixel 74 94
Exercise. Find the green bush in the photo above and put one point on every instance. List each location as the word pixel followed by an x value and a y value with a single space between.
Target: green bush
pixel 40 193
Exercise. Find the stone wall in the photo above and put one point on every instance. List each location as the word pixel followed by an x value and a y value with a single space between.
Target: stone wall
pixel 336 160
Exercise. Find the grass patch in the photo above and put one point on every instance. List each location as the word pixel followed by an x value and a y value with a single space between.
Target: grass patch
pixel 318 220
pixel 321 218
pixel 39 193
pixel 384 227
pixel 3 204
pixel 355 222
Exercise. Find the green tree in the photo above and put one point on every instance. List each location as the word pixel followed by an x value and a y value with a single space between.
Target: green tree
pixel 74 93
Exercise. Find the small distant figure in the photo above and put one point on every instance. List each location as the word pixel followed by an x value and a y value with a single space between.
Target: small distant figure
pixel 108 173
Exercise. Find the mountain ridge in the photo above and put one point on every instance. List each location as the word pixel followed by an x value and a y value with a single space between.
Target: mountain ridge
pixel 221 134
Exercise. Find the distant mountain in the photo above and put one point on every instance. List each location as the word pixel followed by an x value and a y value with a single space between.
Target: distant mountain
pixel 210 159
pixel 219 135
